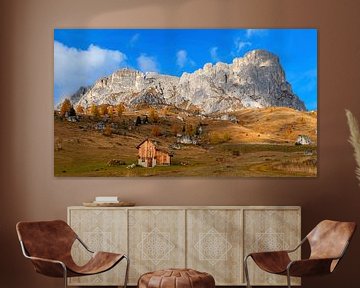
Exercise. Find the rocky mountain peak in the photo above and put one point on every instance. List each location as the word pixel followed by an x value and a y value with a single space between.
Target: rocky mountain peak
pixel 260 55
pixel 253 81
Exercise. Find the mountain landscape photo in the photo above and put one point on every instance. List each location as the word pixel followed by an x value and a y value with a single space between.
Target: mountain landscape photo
pixel 203 102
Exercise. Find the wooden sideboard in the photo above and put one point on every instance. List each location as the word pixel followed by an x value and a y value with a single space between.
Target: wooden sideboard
pixel 212 239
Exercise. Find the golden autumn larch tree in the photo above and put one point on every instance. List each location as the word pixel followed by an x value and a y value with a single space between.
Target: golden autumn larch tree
pixel 65 107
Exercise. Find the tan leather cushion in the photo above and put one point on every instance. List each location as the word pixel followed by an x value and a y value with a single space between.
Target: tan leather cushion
pixel 176 278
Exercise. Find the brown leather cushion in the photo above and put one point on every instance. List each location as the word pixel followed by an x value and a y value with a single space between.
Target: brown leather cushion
pixel 176 278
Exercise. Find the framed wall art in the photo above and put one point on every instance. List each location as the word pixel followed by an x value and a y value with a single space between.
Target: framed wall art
pixel 185 102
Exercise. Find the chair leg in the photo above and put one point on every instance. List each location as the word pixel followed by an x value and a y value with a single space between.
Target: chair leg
pixel 288 278
pixel 127 271
pixel 65 276
pixel 246 270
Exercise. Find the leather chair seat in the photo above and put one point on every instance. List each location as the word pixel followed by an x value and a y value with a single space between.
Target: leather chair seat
pixel 272 262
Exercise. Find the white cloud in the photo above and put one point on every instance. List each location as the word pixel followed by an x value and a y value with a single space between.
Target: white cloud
pixel 240 44
pixel 214 55
pixel 74 68
pixel 134 39
pixel 182 59
pixel 147 63
pixel 255 32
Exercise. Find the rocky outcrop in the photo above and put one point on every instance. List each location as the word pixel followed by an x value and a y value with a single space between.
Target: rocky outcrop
pixel 130 87
pixel 303 140
pixel 254 81
pixel 75 98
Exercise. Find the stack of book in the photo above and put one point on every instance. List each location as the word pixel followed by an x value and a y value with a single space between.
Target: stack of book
pixel 106 199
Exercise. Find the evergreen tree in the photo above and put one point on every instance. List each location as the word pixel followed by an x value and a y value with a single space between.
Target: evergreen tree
pixel 72 111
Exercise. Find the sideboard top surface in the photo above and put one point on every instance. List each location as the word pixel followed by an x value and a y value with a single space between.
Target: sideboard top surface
pixel 193 207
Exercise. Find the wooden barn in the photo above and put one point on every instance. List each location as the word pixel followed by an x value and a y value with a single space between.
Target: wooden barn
pixel 150 154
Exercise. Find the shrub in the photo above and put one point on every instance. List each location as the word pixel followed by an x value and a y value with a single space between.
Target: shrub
pixel 58 144
pixel 153 115
pixel 218 138
pixel 138 121
pixel 107 131
pixel 302 120
pixel 80 109
pixel 110 111
pixel 226 137
pixel 175 129
pixel 155 131
pixel 94 110
pixel 115 162
pixel 120 108
pixel 190 130
pixel 103 109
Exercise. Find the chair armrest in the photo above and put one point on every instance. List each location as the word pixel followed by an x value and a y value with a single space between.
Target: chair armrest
pixel 45 260
pixel 83 244
pixel 48 267
pixel 298 246
pixel 309 267
pixel 268 254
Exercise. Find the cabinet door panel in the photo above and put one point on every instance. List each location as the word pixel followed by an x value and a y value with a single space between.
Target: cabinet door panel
pixel 214 244
pixel 156 240
pixel 270 230
pixel 100 230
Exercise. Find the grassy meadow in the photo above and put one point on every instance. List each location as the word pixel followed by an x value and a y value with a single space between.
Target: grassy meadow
pixel 255 143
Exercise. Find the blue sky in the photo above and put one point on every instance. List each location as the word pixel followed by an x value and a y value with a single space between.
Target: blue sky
pixel 81 56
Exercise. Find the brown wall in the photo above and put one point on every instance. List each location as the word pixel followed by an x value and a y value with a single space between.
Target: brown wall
pixel 29 191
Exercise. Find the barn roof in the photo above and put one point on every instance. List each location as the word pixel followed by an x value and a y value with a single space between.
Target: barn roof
pixel 146 139
pixel 157 146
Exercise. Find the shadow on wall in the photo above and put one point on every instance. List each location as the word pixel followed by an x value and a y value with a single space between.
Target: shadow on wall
pixel 162 13
pixel 175 14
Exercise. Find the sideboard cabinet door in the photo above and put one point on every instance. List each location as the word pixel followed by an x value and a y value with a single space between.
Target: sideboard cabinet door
pixel 214 244
pixel 156 240
pixel 101 230
pixel 270 230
